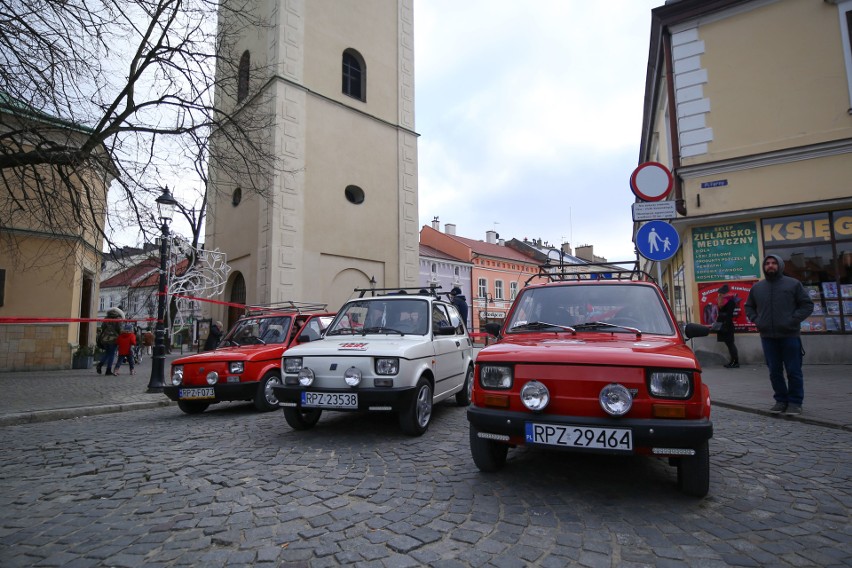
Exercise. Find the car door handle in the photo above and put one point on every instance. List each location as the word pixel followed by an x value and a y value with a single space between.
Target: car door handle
pixel 458 343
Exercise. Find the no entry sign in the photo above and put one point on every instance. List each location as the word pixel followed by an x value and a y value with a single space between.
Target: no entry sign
pixel 651 181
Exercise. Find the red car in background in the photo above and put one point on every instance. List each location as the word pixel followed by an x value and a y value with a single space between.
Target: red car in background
pixel 247 362
pixel 593 363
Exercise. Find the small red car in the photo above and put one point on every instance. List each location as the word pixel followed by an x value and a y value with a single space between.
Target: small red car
pixel 593 364
pixel 247 362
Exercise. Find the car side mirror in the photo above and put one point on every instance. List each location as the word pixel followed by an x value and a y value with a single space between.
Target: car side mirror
pixel 696 330
pixel 444 330
pixel 305 338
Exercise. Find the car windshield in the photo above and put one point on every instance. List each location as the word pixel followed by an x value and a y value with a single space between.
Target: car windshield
pixel 259 331
pixel 594 307
pixel 383 316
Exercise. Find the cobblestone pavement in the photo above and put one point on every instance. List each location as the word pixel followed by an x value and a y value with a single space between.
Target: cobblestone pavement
pixel 233 487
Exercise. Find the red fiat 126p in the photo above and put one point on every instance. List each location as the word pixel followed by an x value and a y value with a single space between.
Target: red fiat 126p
pixel 593 362
pixel 247 362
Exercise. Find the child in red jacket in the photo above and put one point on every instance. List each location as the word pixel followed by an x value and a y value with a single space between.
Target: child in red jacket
pixel 125 343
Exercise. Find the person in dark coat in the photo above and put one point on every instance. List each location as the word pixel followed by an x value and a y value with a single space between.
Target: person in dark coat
pixel 778 305
pixel 214 336
pixel 460 302
pixel 108 337
pixel 725 334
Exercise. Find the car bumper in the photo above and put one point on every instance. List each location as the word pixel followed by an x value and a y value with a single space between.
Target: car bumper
pixel 390 399
pixel 647 433
pixel 223 392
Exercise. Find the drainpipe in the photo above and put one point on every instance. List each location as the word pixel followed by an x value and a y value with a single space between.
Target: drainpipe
pixel 680 204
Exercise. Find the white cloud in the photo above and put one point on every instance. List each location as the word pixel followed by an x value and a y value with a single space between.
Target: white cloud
pixel 530 115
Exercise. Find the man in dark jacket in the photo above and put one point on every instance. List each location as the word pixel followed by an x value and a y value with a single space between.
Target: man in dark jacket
pixel 777 306
pixel 460 302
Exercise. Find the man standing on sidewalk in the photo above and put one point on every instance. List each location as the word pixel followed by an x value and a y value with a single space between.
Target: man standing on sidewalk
pixel 777 306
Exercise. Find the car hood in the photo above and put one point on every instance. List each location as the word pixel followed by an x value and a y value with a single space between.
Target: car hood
pixel 407 347
pixel 242 353
pixel 592 349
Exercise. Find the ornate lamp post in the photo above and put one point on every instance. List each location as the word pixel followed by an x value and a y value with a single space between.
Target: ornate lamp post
pixel 165 206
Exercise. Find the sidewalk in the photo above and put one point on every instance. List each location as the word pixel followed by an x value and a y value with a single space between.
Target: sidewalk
pixel 40 396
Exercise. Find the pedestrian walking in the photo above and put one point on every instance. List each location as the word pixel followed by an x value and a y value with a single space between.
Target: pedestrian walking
pixel 725 324
pixel 124 344
pixel 778 305
pixel 148 341
pixel 107 337
pixel 214 336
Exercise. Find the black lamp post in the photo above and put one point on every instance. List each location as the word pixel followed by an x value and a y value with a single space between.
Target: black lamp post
pixel 165 206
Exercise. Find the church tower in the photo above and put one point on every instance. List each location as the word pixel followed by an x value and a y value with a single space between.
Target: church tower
pixel 327 199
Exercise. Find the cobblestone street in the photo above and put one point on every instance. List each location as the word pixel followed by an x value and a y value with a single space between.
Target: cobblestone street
pixel 234 487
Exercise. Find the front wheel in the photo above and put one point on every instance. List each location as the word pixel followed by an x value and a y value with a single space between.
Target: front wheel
pixel 488 455
pixel 191 407
pixel 693 472
pixel 299 419
pixel 415 419
pixel 464 395
pixel 265 399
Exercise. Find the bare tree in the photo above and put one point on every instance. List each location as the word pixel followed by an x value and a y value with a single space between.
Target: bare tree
pixel 129 89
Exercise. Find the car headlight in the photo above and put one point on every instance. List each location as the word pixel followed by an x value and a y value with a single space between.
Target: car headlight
pixel 306 377
pixel 495 376
pixel 387 366
pixel 212 378
pixel 236 367
pixel 670 384
pixel 177 375
pixel 352 376
pixel 615 399
pixel 292 364
pixel 535 395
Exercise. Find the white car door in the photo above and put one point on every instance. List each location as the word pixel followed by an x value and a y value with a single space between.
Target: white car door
pixel 450 349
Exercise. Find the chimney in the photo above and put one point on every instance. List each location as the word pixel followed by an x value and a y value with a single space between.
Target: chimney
pixel 566 248
pixel 436 224
pixel 491 237
pixel 586 252
pixel 450 228
pixel 501 242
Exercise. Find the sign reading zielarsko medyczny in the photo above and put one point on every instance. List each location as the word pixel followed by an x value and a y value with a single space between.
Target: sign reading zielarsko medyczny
pixel 726 252
pixel 657 240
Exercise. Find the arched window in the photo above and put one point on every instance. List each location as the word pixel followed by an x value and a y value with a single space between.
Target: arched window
pixel 243 76
pixel 238 296
pixel 354 75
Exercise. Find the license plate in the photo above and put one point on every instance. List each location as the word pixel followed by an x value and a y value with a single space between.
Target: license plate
pixel 580 437
pixel 189 394
pixel 330 399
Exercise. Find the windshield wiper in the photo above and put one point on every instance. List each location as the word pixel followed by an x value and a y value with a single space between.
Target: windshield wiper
pixel 367 330
pixel 542 325
pixel 596 324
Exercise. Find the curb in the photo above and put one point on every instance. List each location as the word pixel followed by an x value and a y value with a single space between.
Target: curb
pixel 802 419
pixel 76 412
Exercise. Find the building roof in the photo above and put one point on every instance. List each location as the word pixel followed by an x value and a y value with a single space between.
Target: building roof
pixel 133 275
pixel 427 251
pixel 482 248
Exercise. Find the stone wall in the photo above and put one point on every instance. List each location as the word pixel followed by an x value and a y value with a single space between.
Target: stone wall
pixel 34 347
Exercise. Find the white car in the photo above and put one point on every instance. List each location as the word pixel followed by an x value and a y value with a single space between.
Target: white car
pixel 399 352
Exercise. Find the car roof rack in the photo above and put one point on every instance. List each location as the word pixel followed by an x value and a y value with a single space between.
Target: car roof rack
pixel 586 271
pixel 431 290
pixel 287 306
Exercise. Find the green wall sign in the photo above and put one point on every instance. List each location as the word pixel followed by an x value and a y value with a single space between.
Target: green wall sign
pixel 726 252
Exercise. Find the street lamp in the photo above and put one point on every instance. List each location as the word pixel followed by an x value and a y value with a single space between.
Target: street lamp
pixel 165 206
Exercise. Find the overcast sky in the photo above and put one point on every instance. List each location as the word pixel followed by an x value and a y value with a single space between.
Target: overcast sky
pixel 530 115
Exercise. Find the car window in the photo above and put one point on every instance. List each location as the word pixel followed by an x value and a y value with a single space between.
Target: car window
pixel 256 331
pixel 440 317
pixel 455 319
pixel 639 307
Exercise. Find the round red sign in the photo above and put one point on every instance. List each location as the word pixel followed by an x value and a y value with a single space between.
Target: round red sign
pixel 651 181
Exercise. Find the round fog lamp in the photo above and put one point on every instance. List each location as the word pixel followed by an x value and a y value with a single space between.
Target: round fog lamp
pixel 306 377
pixel 615 399
pixel 535 395
pixel 352 376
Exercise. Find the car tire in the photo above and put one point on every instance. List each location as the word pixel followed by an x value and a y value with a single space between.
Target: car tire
pixel 299 419
pixel 488 455
pixel 415 419
pixel 192 407
pixel 463 396
pixel 693 472
pixel 265 399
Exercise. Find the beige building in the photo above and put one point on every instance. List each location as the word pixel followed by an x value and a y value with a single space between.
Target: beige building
pixel 339 205
pixel 49 261
pixel 749 103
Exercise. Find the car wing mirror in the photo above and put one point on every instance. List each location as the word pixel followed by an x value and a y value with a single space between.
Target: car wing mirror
pixel 696 330
pixel 493 329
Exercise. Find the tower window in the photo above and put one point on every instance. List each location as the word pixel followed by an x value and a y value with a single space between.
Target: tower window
pixel 354 75
pixel 243 76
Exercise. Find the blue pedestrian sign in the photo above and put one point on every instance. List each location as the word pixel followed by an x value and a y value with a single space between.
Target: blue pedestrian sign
pixel 657 240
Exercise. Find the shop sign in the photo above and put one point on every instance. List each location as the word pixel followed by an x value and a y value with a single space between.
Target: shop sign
pixel 806 228
pixel 725 252
pixel 491 315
